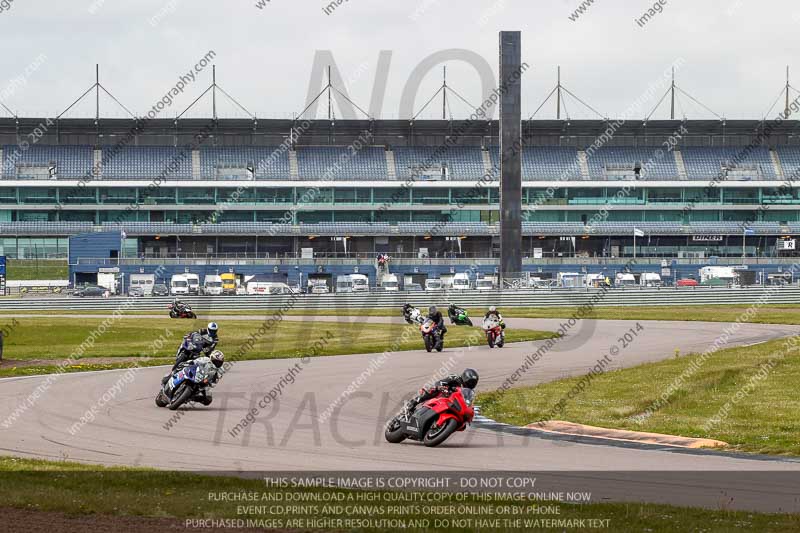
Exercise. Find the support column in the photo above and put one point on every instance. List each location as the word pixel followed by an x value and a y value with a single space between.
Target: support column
pixel 510 154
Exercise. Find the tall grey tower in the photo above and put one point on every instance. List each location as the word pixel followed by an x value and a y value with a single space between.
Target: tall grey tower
pixel 510 154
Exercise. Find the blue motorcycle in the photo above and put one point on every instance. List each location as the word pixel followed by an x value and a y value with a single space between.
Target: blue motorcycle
pixel 188 383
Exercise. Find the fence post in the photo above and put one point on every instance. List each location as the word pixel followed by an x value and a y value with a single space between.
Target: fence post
pixel 1 345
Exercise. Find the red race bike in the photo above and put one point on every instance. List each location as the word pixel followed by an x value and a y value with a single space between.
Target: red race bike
pixel 494 332
pixel 186 312
pixel 432 335
pixel 433 421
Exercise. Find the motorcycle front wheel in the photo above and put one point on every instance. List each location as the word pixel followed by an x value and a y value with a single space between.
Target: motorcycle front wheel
pixel 438 434
pixel 180 396
pixel 490 340
pixel 428 343
pixel 394 432
pixel 469 321
pixel 161 400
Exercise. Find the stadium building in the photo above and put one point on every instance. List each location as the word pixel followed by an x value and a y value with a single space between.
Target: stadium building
pixel 263 196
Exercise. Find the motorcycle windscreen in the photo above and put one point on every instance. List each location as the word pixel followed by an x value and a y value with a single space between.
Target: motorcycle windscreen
pixel 469 395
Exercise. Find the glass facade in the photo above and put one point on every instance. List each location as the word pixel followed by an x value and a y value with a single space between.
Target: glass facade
pixel 395 204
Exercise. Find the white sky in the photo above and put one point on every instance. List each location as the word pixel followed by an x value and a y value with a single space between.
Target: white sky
pixel 735 51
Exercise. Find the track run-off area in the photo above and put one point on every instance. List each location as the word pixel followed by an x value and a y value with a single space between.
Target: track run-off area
pixel 328 414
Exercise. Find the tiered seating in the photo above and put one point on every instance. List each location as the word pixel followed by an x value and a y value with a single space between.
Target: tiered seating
pixel 706 163
pixel 612 157
pixel 790 161
pixel 70 161
pixel 269 162
pixel 463 162
pixel 545 162
pixel 342 163
pixel 146 162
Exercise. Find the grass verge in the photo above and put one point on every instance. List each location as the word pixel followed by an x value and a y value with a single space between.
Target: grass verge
pixel 56 338
pixel 746 396
pixel 81 490
pixel 768 314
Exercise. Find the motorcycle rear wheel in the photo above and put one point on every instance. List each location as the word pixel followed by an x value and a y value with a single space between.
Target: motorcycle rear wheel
pixel 180 396
pixel 394 432
pixel 437 435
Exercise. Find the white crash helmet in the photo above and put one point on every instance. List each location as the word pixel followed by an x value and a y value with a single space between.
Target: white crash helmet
pixel 217 357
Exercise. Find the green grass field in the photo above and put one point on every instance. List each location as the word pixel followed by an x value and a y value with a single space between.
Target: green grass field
pixel 57 338
pixel 764 418
pixel 768 314
pixel 81 490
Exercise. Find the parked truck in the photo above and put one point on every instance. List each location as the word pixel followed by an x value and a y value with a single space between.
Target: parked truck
pixel 212 285
pixel 461 282
pixel 650 279
pixel 344 284
pixel 486 283
pixel 144 281
pixel 360 282
pixel 229 283
pixel 179 285
pixel 716 275
pixel 625 279
pixel 433 285
pixel 107 280
pixel 194 283
pixel 389 282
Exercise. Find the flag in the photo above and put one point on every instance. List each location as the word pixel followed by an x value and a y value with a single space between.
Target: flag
pixel 637 232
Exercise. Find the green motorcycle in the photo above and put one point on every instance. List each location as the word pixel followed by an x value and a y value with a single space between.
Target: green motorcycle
pixel 459 316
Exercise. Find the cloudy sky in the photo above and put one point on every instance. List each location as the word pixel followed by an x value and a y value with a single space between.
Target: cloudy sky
pixel 731 54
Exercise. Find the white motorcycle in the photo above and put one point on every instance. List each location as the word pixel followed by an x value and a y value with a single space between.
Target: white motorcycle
pixel 414 317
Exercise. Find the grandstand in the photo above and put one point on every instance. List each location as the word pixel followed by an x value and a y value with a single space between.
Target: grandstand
pixel 429 187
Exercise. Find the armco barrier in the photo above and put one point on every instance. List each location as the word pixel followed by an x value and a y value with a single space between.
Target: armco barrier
pixel 529 298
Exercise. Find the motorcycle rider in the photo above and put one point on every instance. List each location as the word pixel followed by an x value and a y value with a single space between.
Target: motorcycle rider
pixel 407 308
pixel 214 366
pixel 446 386
pixel 493 312
pixel 453 311
pixel 199 343
pixel 436 315
pixel 179 306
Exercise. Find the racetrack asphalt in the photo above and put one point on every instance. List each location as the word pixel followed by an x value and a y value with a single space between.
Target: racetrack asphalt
pixel 288 434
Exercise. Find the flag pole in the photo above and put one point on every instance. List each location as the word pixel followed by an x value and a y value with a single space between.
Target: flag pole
pixel 634 242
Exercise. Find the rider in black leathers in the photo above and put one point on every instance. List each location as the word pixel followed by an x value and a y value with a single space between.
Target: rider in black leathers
pixel 200 343
pixel 446 386
pixel 436 315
